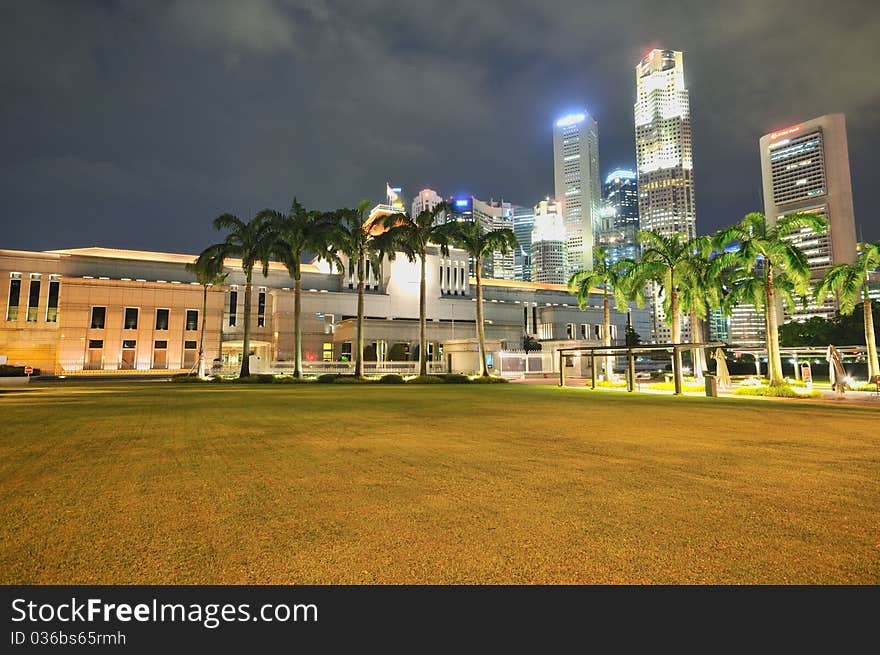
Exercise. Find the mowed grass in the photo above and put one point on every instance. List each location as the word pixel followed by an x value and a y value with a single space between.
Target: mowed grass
pixel 154 483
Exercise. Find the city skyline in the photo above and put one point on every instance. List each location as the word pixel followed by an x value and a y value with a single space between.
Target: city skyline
pixel 144 123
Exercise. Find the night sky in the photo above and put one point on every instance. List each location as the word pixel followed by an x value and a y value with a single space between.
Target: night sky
pixel 133 124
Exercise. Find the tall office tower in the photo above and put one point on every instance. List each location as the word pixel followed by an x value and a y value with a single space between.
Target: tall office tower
pixel 664 159
pixel 523 221
pixel 619 217
pixel 495 215
pixel 805 168
pixel 426 199
pixel 489 215
pixel 576 176
pixel 549 244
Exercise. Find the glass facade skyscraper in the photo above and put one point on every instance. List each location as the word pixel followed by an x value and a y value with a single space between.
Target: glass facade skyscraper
pixel 619 217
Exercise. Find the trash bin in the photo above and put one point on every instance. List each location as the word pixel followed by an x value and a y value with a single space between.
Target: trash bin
pixel 711 385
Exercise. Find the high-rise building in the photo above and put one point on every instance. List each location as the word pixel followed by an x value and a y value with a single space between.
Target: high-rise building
pixel 549 244
pixel 619 217
pixel 489 215
pixel 664 159
pixel 805 168
pixel 426 200
pixel 576 176
pixel 523 221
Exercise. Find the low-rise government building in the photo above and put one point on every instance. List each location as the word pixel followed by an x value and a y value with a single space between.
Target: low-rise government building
pixel 87 311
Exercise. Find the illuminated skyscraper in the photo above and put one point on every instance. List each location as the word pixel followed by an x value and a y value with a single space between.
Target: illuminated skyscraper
pixel 549 245
pixel 576 176
pixel 619 217
pixel 664 158
pixel 805 168
pixel 523 221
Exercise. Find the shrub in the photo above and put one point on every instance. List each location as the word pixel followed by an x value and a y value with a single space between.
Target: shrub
pixel 455 378
pixel 781 391
pixel 327 378
pixel 219 379
pixel 670 386
pixel 611 385
pixel 492 379
pixel 289 379
pixel 186 377
pixel 426 379
pixel 865 386
pixel 7 371
pixel 391 378
pixel 351 379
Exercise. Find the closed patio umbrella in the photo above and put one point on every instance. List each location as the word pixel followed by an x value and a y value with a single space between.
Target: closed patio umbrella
pixel 721 371
pixel 835 370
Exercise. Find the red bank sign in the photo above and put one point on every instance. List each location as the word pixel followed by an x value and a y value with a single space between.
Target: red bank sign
pixel 785 132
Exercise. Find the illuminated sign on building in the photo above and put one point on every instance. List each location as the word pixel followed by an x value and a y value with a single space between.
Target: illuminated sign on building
pixel 571 119
pixel 785 132
pixel 462 203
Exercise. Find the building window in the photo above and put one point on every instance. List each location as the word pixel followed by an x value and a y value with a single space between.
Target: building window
pixel 129 343
pixel 261 309
pixel 14 297
pixel 233 307
pixel 160 345
pixel 52 304
pixel 585 330
pixel 162 319
pixel 190 345
pixel 96 343
pixel 98 316
pixel 327 352
pixel 569 330
pixel 192 319
pixel 33 298
pixel 131 318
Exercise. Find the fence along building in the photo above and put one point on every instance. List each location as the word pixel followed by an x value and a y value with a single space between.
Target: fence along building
pixel 89 310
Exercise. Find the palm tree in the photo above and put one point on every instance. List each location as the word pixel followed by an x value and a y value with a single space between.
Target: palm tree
pixel 850 283
pixel 294 234
pixel 411 235
pixel 765 249
pixel 477 244
pixel 250 242
pixel 700 291
pixel 664 262
pixel 611 278
pixel 209 272
pixel 352 235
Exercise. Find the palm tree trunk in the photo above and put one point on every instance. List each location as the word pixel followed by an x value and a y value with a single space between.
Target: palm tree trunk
pixel 423 330
pixel 774 359
pixel 202 335
pixel 246 340
pixel 697 337
pixel 870 339
pixel 359 339
pixel 481 332
pixel 676 329
pixel 606 341
pixel 297 325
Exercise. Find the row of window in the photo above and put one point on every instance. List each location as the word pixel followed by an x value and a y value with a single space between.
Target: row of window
pixel 130 318
pixel 33 306
pixel 131 344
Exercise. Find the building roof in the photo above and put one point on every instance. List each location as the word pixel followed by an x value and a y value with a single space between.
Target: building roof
pixel 162 257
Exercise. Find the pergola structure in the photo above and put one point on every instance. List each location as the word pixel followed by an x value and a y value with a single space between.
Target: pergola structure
pixel 797 351
pixel 630 351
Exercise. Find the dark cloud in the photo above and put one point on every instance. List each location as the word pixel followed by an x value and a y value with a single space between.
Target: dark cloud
pixel 134 123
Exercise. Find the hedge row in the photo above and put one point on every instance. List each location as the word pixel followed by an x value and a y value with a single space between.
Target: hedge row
pixel 336 378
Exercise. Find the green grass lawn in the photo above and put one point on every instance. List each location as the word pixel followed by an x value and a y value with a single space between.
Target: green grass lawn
pixel 160 483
